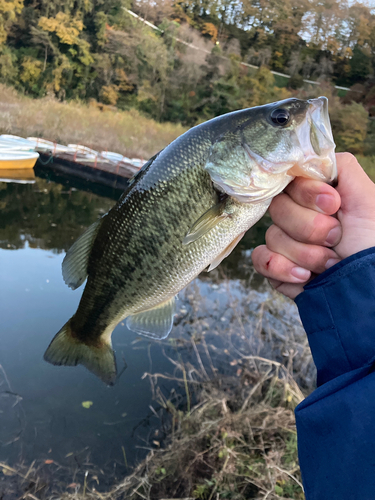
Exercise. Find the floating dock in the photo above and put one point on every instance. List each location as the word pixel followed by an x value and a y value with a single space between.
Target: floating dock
pixel 98 170
pixel 74 160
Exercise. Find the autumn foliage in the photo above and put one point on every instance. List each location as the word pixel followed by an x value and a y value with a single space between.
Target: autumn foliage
pixel 191 68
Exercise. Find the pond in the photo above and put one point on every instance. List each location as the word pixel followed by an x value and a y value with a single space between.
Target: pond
pixel 65 416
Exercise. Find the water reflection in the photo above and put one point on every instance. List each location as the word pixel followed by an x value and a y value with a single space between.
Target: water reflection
pixel 46 215
pixel 52 216
pixel 41 408
pixel 20 176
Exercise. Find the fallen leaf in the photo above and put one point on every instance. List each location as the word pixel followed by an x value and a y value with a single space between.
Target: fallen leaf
pixel 87 404
pixel 72 485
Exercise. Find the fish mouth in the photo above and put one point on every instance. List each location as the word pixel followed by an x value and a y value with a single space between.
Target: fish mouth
pixel 316 141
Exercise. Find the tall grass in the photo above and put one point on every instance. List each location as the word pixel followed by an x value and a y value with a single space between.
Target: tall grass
pixel 97 126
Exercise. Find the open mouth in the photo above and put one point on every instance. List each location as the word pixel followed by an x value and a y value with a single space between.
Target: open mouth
pixel 316 140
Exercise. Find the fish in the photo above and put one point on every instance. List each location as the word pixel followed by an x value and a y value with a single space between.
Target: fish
pixel 184 212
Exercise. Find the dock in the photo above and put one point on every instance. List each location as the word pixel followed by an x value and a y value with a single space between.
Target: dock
pixel 109 169
pixel 97 170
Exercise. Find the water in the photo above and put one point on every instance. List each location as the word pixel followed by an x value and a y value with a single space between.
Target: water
pixel 41 411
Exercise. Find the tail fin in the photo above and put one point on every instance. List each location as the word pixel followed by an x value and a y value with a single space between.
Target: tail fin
pixel 70 351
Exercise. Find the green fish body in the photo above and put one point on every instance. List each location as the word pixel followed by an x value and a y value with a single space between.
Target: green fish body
pixel 184 212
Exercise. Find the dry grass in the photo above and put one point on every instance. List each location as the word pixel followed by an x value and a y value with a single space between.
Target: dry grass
pixel 232 444
pixel 238 439
pixel 97 126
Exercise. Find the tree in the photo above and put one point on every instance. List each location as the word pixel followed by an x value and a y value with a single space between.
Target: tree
pixel 349 125
pixel 9 10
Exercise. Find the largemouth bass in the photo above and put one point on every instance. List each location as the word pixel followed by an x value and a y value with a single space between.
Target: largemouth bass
pixel 184 212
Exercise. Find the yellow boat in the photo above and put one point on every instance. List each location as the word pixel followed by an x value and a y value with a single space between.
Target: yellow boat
pixel 11 160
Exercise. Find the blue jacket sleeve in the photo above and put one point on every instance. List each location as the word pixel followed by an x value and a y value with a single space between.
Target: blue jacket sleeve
pixel 336 423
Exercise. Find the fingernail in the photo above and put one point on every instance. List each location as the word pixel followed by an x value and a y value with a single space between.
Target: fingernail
pixel 333 236
pixel 331 262
pixel 300 273
pixel 324 202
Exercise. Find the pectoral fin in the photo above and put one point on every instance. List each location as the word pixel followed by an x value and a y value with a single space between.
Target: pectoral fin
pixel 155 323
pixel 74 266
pixel 225 252
pixel 206 222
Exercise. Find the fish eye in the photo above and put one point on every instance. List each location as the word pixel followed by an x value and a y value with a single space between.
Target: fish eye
pixel 280 117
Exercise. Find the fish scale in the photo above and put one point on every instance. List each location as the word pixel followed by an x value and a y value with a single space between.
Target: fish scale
pixel 184 212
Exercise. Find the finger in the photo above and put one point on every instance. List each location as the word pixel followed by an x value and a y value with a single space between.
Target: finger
pixel 277 267
pixel 355 187
pixel 288 289
pixel 315 195
pixel 311 257
pixel 274 283
pixel 303 224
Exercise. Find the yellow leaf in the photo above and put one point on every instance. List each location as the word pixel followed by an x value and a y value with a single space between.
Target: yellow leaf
pixel 7 472
pixel 66 28
pixel 87 404
pixel 210 29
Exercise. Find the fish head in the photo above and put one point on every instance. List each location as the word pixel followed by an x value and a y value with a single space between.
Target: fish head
pixel 270 146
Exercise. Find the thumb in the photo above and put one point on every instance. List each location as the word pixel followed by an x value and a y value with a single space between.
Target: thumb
pixel 356 189
pixel 357 212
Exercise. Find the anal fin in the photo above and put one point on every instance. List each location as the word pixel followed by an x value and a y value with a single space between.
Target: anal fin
pixel 225 252
pixel 155 323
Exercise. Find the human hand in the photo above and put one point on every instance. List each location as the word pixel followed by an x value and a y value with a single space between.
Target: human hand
pixel 305 239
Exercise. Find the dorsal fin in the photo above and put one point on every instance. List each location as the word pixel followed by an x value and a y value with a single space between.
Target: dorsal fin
pixel 74 266
pixel 143 170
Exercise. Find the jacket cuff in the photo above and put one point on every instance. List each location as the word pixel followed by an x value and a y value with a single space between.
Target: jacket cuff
pixel 337 310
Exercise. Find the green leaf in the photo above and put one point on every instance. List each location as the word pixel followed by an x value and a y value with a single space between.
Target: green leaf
pixel 278 490
pixel 87 404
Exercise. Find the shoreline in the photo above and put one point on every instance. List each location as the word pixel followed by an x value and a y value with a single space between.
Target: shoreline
pixel 227 425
